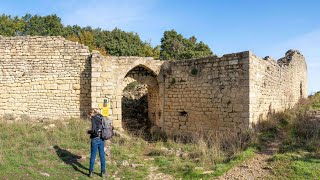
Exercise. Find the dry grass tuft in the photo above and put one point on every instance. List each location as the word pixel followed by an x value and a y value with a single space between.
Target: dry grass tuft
pixel 297 127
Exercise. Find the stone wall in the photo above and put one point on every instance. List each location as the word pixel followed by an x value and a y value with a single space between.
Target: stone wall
pixel 43 77
pixel 110 75
pixel 208 94
pixel 275 86
pixel 154 105
pixel 55 78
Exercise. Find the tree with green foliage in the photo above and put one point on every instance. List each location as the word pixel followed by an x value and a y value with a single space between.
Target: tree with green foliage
pixel 42 25
pixel 121 43
pixel 156 52
pixel 114 43
pixel 11 26
pixel 174 46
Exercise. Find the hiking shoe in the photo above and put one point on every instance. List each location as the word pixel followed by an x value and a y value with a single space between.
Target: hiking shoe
pixel 104 174
pixel 90 174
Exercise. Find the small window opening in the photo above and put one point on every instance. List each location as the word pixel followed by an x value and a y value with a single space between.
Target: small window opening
pixel 301 94
pixel 183 113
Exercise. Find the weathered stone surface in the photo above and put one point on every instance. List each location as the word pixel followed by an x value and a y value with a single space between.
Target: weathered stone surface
pixel 275 86
pixel 55 78
pixel 36 74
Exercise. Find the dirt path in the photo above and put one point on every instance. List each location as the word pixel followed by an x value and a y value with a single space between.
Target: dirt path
pixel 255 168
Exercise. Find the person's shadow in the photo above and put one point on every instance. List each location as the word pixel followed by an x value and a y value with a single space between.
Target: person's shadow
pixel 71 159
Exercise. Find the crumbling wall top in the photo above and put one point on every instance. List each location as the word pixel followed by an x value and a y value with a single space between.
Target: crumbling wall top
pixel 289 56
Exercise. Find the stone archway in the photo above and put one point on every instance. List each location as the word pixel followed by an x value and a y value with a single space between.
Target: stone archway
pixel 143 76
pixel 110 75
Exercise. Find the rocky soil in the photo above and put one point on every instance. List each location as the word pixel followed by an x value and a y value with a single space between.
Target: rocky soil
pixel 255 168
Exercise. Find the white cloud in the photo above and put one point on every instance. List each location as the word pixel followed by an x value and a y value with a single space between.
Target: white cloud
pixel 106 14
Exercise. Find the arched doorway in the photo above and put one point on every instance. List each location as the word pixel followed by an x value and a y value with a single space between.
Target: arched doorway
pixel 140 100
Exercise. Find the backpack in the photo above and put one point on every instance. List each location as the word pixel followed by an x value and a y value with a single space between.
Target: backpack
pixel 107 128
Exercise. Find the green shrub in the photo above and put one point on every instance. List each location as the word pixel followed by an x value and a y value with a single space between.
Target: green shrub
pixel 194 71
pixel 131 86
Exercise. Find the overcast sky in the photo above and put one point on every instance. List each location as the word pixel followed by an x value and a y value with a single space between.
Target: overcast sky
pixel 263 27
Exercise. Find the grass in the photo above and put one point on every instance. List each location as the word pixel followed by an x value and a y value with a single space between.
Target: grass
pixel 315 101
pixel 299 151
pixel 193 165
pixel 316 106
pixel 296 165
pixel 29 151
pixel 221 168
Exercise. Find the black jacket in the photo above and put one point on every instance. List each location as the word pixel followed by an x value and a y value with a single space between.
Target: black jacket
pixel 96 124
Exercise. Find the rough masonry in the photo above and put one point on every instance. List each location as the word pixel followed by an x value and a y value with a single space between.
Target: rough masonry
pixel 44 77
pixel 55 78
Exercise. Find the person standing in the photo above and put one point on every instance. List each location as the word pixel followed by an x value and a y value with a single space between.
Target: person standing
pixel 97 143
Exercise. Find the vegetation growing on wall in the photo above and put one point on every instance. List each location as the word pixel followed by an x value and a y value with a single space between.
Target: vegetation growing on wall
pixel 172 82
pixel 194 71
pixel 116 42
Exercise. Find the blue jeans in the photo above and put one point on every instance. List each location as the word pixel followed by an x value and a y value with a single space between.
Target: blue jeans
pixel 97 144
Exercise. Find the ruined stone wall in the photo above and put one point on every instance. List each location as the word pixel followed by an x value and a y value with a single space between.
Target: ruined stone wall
pixel 110 75
pixel 44 77
pixel 153 105
pixel 275 86
pixel 209 94
pixel 54 78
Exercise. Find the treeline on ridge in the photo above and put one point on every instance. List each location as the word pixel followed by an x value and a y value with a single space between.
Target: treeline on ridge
pixel 115 43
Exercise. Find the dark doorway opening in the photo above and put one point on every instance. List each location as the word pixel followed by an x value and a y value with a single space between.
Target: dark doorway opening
pixel 135 118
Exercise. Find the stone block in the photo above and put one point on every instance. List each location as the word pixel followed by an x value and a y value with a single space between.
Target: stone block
pixel 183 118
pixel 51 86
pixel 64 87
pixel 97 84
pixel 116 110
pixel 106 75
pixel 238 107
pixel 95 74
pixel 76 86
pixel 117 123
